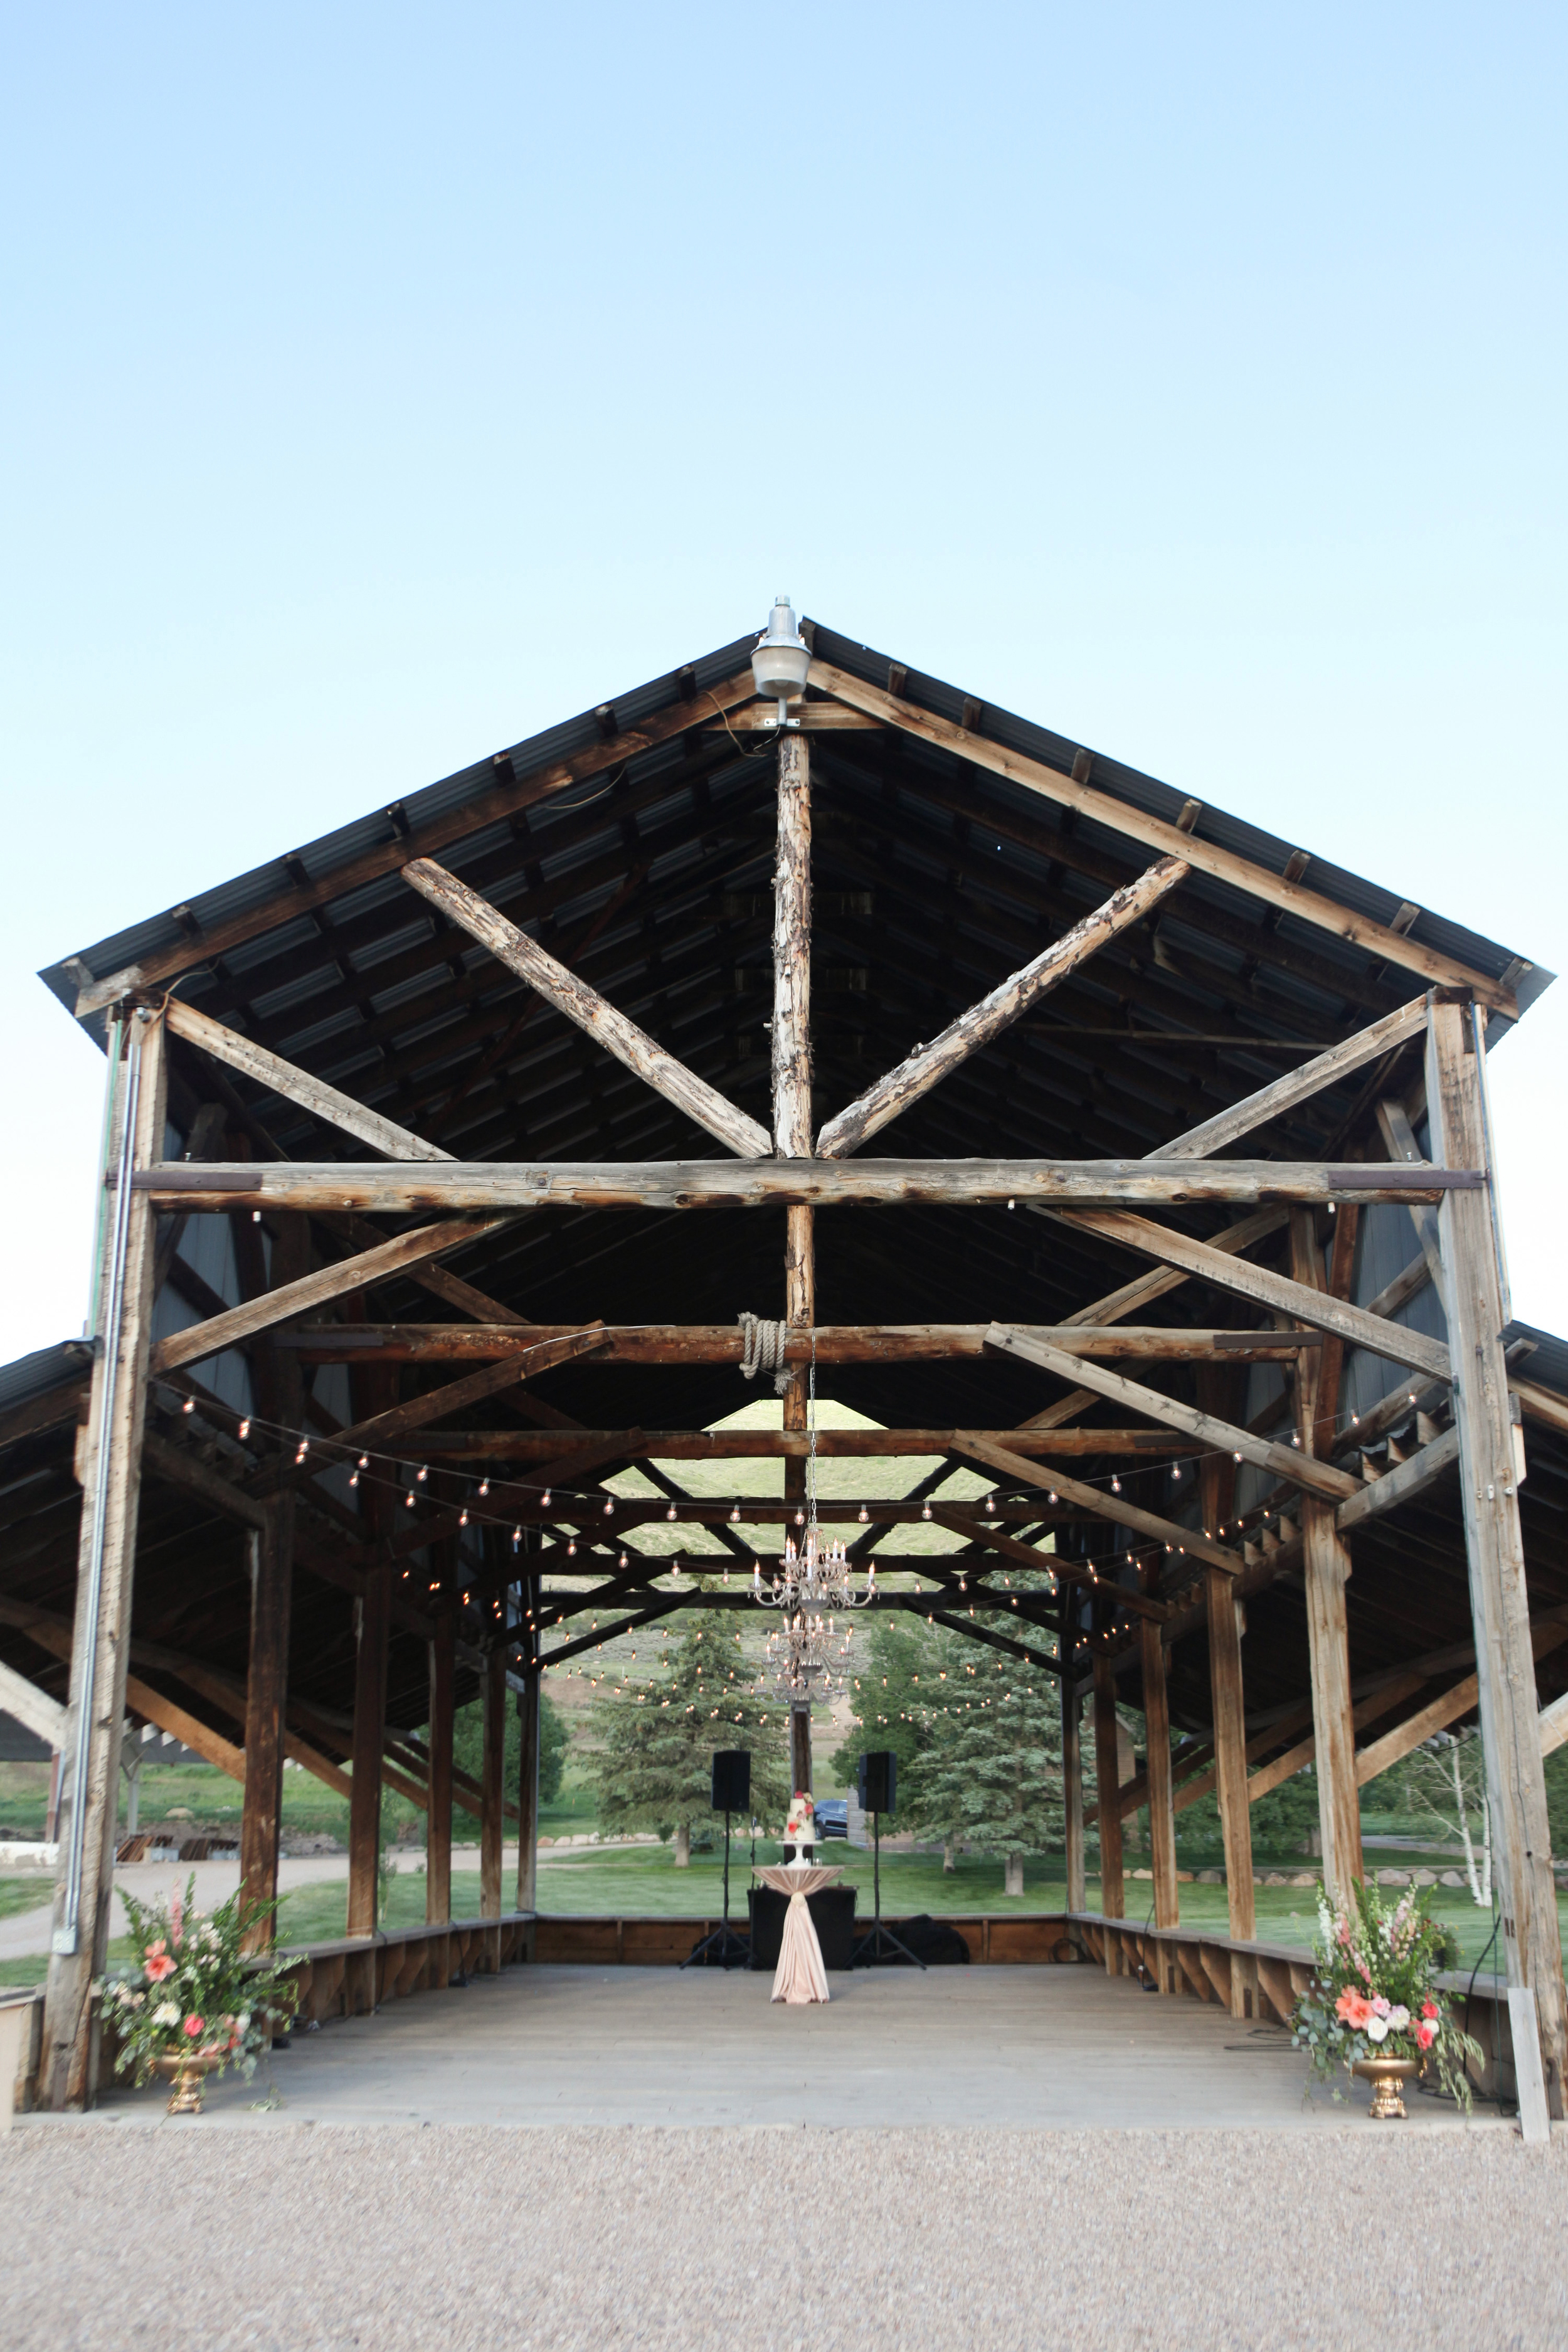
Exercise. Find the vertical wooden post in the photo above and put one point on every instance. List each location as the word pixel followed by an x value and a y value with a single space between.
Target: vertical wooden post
pixel 374 1390
pixel 1326 1569
pixel 800 1744
pixel 1162 1816
pixel 529 1710
pixel 271 1596
pixel 493 1795
pixel 1226 1701
pixel 1108 1782
pixel 1490 1471
pixel 266 1700
pixel 439 1819
pixel 792 1058
pixel 106 1563
pixel 1072 1776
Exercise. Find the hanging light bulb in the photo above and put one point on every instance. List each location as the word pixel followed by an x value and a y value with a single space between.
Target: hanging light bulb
pixel 670 1513
pixel 800 1518
pixel 517 1538
pixel 544 1500
pixel 363 1461
pixel 189 1405
pixel 863 1515
pixel 925 1511
pixel 990 1505
pixel 735 1514
pixel 572 1547
pixel 609 1505
pixel 484 1485
pixel 1052 1495
pixel 245 1429
pixel 354 1478
pixel 408 1500
pixel 462 1518
pixel 421 1474
pixel 1115 1485
pixel 622 1561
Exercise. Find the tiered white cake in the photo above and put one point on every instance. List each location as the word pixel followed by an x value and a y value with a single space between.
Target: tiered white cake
pixel 800 1823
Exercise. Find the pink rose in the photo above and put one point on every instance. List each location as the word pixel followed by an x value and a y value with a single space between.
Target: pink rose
pixel 1381 2005
pixel 1426 2034
pixel 1428 2009
pixel 195 2026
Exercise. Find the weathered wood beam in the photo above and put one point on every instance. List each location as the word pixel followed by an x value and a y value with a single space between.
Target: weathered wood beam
pixel 1207 857
pixel 1257 1109
pixel 989 1538
pixel 723 1343
pixel 572 996
pixel 325 1102
pixel 1010 1462
pixel 1472 1292
pixel 1108 1783
pixel 383 1428
pixel 924 1069
pixel 761 1445
pixel 1283 1460
pixel 1275 1291
pixel 1400 1485
pixel 291 1298
pixel 1066 1186
pixel 469 815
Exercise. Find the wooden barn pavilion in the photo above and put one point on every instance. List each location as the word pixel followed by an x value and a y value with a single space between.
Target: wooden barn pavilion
pixel 1091 1138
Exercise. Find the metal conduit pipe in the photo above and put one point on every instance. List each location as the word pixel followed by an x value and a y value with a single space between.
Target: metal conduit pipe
pixel 67 1935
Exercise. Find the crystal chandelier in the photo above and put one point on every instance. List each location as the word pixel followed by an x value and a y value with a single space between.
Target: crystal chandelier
pixel 811 1585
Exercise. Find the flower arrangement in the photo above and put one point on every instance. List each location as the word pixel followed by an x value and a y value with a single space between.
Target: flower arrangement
pixel 195 1993
pixel 1374 1992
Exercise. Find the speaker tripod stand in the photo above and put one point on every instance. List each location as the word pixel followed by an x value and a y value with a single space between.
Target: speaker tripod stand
pixel 881 1945
pixel 724 1948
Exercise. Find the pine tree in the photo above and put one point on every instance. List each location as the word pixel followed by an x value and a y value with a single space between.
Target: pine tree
pixel 993 1776
pixel 652 1768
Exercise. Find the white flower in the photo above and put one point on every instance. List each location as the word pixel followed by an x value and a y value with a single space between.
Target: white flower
pixel 166 2013
pixel 242 2020
pixel 1377 2028
pixel 1398 2018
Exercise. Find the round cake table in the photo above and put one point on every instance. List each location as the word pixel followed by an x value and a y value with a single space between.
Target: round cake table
pixel 800 1976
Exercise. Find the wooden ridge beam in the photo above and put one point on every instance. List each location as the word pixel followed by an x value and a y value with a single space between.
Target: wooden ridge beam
pixel 996 1011
pixel 470 815
pixel 1066 1185
pixel 1010 1462
pixel 764 1444
pixel 1221 1436
pixel 1122 817
pixel 1274 1291
pixel 572 996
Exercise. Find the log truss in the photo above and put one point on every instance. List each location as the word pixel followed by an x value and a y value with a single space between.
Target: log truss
pixel 509 1034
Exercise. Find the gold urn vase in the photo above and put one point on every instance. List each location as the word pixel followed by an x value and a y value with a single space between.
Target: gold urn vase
pixel 184 2069
pixel 1387 2077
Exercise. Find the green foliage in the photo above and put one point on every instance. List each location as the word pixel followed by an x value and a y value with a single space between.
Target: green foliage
pixel 192 1987
pixel 1557 1802
pixel 1373 1992
pixel 652 1767
pixel 554 1738
pixel 992 1775
pixel 893 1708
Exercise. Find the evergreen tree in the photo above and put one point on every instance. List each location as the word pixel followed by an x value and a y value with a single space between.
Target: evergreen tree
pixel 652 1768
pixel 555 1738
pixel 990 1776
pixel 897 1687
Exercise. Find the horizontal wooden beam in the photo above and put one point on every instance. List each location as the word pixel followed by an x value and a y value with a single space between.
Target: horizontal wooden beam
pixel 270 1070
pixel 1009 1459
pixel 1060 1185
pixel 1206 857
pixel 724 1343
pixel 572 996
pixel 764 1444
pixel 995 1012
pixel 1265 1288
pixel 1218 1437
pixel 457 822
pixel 291 1298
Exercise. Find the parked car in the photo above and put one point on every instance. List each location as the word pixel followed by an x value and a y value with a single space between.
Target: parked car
pixel 832 1817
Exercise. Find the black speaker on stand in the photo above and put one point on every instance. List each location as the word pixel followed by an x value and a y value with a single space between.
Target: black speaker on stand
pixel 879 1795
pixel 731 1794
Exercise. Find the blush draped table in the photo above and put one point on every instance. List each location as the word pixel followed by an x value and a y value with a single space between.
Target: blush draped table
pixel 800 1976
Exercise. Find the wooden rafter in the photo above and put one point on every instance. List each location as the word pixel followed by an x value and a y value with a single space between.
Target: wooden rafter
pixel 1013 1465
pixel 325 1102
pixel 1206 857
pixel 572 996
pixel 924 1069
pixel 472 814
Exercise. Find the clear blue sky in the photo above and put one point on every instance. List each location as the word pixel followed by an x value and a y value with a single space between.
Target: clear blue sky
pixel 383 385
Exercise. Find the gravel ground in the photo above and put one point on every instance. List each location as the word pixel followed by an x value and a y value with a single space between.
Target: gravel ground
pixel 315 2239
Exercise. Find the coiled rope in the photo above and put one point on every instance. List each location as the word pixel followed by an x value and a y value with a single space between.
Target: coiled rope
pixel 762 1350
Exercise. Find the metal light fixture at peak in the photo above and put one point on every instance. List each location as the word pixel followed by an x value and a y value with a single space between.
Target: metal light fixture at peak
pixel 782 659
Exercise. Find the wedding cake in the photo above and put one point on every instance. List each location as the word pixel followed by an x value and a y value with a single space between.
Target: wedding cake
pixel 800 1823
